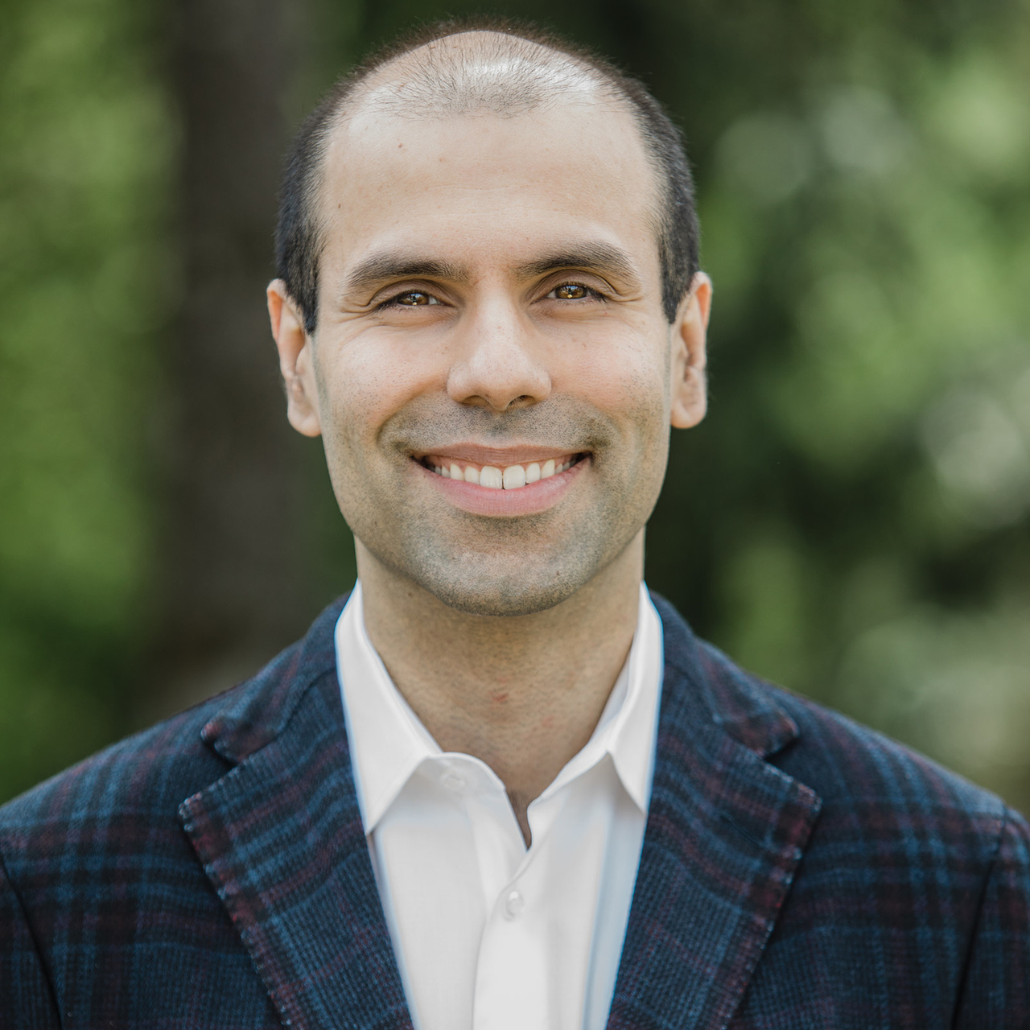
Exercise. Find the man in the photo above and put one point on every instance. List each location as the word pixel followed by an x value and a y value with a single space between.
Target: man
pixel 499 786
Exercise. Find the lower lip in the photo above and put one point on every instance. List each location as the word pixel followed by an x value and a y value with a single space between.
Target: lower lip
pixel 524 500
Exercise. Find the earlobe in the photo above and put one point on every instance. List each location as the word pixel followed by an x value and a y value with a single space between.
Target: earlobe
pixel 689 400
pixel 295 360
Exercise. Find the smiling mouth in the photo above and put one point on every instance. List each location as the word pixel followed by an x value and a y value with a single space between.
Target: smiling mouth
pixel 511 477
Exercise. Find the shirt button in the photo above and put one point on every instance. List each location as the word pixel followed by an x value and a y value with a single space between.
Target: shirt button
pixel 453 781
pixel 513 904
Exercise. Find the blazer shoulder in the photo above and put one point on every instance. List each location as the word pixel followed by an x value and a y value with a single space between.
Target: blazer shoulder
pixel 878 792
pixel 842 757
pixel 141 772
pixel 853 762
pixel 859 774
pixel 149 773
pixel 904 859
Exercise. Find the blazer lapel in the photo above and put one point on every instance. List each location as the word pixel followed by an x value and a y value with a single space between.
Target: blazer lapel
pixel 725 833
pixel 280 838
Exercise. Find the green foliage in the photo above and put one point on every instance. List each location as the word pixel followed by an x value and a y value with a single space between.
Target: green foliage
pixel 85 147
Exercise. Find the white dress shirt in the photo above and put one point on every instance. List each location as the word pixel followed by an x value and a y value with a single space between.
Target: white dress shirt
pixel 490 935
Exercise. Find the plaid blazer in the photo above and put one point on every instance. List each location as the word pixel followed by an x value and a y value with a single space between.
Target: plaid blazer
pixel 798 871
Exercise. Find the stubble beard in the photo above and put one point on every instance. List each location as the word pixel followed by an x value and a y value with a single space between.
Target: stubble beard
pixel 494 566
pixel 514 576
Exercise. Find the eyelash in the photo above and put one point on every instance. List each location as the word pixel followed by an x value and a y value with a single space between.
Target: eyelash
pixel 397 297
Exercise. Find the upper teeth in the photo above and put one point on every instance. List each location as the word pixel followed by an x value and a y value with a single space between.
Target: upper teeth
pixel 510 478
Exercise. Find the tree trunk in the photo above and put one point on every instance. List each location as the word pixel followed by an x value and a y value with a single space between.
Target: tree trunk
pixel 230 561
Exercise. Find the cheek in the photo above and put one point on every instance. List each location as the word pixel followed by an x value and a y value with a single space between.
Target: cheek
pixel 362 385
pixel 626 381
pixel 629 383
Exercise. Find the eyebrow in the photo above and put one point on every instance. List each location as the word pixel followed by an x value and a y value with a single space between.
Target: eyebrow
pixel 593 257
pixel 596 257
pixel 381 267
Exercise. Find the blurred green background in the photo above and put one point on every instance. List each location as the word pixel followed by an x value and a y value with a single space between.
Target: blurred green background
pixel 853 518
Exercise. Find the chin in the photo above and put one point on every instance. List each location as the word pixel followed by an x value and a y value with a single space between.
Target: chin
pixel 476 584
pixel 502 598
pixel 520 567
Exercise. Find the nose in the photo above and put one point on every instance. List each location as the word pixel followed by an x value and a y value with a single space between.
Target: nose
pixel 500 364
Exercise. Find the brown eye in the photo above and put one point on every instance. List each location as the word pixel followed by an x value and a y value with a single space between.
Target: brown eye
pixel 414 299
pixel 571 291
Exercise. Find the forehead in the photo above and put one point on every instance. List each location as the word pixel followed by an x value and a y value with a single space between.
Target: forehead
pixel 487 184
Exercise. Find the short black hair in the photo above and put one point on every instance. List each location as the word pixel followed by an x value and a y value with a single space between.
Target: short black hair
pixel 299 238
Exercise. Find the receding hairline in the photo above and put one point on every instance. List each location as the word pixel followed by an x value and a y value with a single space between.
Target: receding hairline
pixel 428 73
pixel 369 92
pixel 432 67
pixel 423 70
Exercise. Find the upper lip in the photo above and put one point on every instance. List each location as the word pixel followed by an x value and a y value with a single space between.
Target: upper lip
pixel 499 457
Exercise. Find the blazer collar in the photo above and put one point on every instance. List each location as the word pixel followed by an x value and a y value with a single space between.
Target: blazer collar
pixel 258 711
pixel 724 836
pixel 281 839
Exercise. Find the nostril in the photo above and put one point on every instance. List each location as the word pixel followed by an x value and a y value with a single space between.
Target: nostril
pixel 520 402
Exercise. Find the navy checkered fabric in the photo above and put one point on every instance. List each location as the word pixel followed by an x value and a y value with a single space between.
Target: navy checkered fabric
pixel 798 871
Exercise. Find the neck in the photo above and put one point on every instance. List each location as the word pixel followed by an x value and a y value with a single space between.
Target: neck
pixel 522 693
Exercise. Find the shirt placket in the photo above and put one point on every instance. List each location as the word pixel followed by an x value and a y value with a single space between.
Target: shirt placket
pixel 515 964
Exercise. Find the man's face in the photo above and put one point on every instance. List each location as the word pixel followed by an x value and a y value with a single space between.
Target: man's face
pixel 490 299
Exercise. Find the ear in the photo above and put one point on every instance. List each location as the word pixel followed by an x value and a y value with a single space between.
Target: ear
pixel 296 360
pixel 689 342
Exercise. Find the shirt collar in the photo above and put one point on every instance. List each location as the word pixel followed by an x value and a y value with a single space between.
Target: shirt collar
pixel 629 723
pixel 388 741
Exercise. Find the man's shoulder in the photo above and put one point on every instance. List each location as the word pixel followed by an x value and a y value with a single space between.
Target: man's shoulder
pixel 118 856
pixel 849 763
pixel 134 774
pixel 864 779
pixel 144 777
pixel 894 855
pixel 854 763
pixel 885 805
